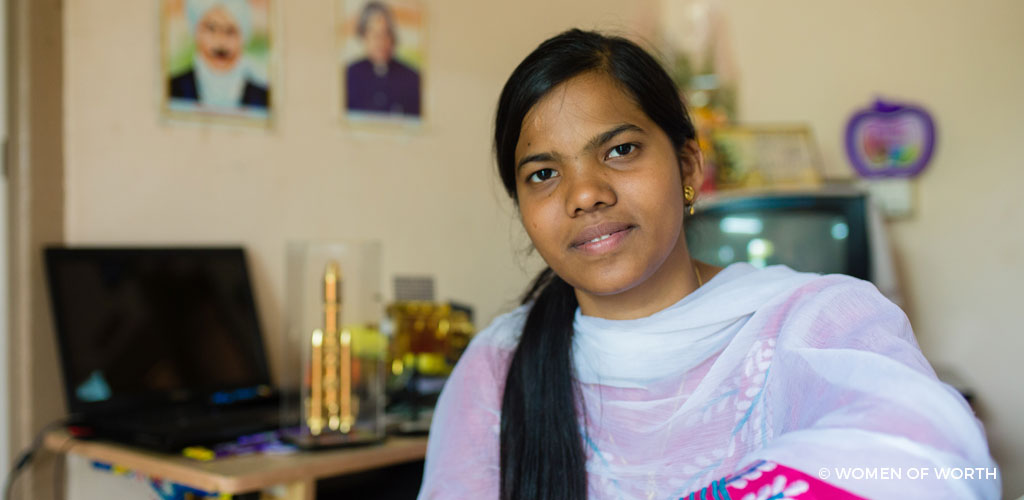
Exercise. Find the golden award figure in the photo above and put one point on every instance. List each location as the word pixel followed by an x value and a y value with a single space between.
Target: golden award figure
pixel 339 371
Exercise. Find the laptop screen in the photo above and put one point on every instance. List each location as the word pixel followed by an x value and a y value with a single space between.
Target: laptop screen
pixel 144 327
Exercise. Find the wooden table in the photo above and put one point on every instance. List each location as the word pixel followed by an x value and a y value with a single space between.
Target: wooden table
pixel 293 475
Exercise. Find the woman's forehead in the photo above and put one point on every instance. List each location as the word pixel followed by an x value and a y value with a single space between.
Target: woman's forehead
pixel 576 109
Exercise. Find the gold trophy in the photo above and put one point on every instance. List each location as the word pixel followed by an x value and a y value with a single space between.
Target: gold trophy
pixel 341 394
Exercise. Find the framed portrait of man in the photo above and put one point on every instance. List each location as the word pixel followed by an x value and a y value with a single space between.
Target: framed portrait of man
pixel 217 59
pixel 382 60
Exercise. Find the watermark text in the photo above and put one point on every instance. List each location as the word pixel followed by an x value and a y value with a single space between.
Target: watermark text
pixel 898 473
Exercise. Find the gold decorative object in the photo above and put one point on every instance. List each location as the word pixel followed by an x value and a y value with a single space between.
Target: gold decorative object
pixel 334 345
pixel 427 341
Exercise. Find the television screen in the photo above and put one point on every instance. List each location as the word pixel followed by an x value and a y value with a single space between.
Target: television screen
pixel 813 233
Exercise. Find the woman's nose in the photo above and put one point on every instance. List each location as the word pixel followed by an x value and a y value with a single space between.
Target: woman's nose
pixel 588 190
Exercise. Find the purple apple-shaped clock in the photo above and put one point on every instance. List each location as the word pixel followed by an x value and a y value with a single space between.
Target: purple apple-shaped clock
pixel 890 140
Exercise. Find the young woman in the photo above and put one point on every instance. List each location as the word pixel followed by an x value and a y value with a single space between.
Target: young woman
pixel 633 371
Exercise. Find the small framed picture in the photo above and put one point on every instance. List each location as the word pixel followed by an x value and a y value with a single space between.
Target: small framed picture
pixel 765 156
pixel 216 60
pixel 382 60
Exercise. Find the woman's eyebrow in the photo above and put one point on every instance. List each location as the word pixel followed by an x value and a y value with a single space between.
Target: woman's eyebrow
pixel 596 141
pixel 604 137
pixel 536 157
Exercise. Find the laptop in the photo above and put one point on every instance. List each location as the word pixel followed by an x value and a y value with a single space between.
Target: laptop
pixel 160 347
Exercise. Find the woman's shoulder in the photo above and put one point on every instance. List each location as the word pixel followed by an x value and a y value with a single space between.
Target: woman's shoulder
pixel 504 330
pixel 799 289
pixel 838 293
pixel 491 347
pixel 501 336
pixel 837 310
pixel 742 288
pixel 799 304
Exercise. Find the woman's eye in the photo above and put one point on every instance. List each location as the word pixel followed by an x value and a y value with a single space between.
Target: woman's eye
pixel 539 175
pixel 621 150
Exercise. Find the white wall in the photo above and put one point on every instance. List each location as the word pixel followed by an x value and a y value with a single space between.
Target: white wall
pixel 962 253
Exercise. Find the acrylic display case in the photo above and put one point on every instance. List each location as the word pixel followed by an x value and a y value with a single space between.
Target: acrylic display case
pixel 334 353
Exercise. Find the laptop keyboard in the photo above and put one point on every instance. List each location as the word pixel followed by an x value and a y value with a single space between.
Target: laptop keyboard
pixel 177 428
pixel 199 418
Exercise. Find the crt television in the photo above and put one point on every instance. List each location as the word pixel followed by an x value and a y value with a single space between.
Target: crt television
pixel 831 230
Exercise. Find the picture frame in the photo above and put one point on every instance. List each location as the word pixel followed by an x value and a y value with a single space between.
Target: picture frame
pixel 217 61
pixel 382 59
pixel 766 156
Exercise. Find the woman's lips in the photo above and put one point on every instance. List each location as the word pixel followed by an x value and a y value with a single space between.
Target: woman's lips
pixel 603 246
pixel 598 230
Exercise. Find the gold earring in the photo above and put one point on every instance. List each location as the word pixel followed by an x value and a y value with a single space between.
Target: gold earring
pixel 688 195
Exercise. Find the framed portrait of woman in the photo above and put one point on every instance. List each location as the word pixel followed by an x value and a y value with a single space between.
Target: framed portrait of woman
pixel 382 60
pixel 216 60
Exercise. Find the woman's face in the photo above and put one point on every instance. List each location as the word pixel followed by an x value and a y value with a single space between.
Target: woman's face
pixel 591 163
